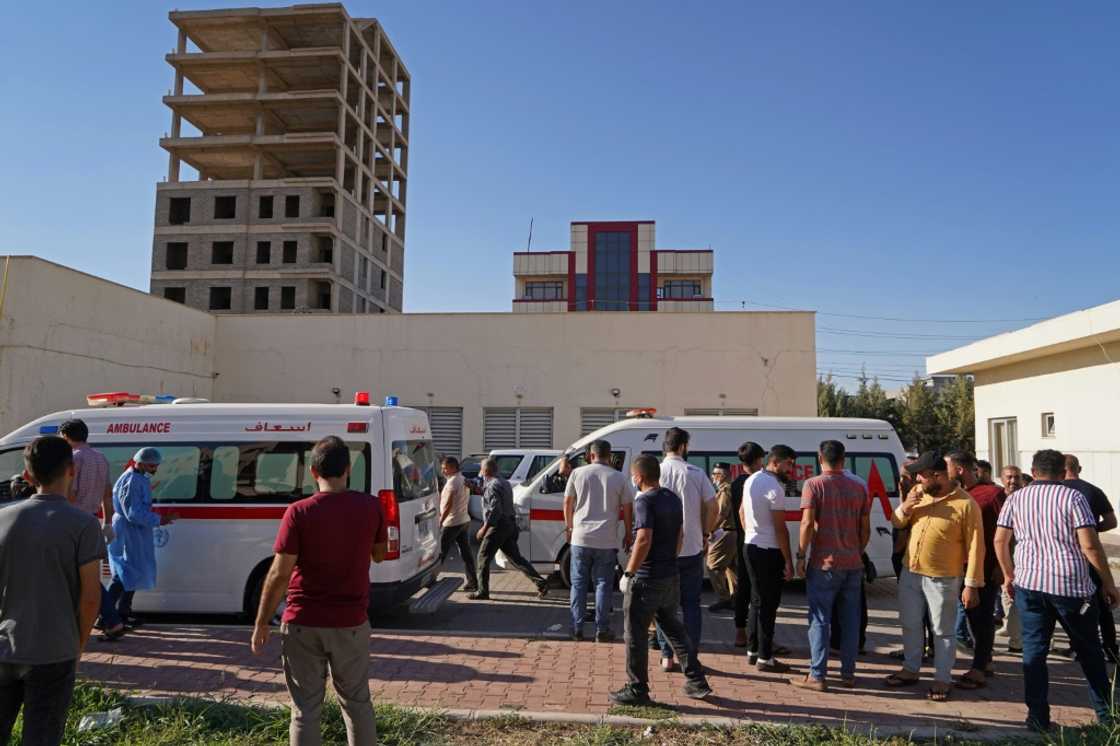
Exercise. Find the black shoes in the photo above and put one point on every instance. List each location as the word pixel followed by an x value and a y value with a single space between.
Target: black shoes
pixel 476 596
pixel 627 696
pixel 604 636
pixel 697 689
pixel 577 635
pixel 721 606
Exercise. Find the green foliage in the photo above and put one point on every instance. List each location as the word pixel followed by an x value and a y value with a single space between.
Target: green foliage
pixel 923 417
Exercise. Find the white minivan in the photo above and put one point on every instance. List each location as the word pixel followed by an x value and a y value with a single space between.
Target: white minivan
pixel 230 471
pixel 874 451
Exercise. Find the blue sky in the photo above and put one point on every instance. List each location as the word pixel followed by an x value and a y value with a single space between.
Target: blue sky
pixel 907 160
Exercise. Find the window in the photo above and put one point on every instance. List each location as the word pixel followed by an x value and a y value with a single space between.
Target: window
pixel 221 252
pixel 507 465
pixel 177 255
pixel 321 293
pixel 290 248
pixel 177 480
pixel 221 299
pixel 179 295
pixel 385 243
pixel 516 427
pixel 359 471
pixel 551 290
pixel 414 469
pixel 291 206
pixel 225 208
pixel 325 252
pixel 383 274
pixel 179 210
pixel 264 207
pixel 612 271
pixel 276 473
pixel 539 462
pixel 1003 443
pixel 679 290
pixel 1048 425
pixel 361 304
pixel 260 299
pixel 287 298
pixel 11 462
pixel 264 252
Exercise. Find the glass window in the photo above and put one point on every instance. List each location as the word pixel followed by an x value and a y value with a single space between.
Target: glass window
pixel 545 290
pixel 539 463
pixel 679 289
pixel 507 465
pixel 11 463
pixel 612 271
pixel 223 473
pixel 359 471
pixel 177 478
pixel 414 469
pixel 276 473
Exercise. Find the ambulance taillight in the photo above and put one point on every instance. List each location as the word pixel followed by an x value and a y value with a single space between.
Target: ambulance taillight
pixel 392 512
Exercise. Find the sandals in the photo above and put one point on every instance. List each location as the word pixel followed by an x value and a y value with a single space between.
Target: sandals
pixel 938 695
pixel 896 680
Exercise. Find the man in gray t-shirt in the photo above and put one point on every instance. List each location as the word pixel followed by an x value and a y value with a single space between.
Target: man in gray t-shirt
pixel 594 498
pixel 50 558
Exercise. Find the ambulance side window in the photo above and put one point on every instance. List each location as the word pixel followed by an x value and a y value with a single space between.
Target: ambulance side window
pixel 11 463
pixel 177 478
pixel 223 473
pixel 359 471
pixel 276 473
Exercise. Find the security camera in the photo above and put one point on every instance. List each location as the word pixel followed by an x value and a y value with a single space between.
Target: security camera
pixel 336 391
pixel 616 392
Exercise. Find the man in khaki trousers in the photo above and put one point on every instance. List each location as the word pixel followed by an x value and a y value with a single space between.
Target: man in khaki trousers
pixel 722 542
pixel 322 555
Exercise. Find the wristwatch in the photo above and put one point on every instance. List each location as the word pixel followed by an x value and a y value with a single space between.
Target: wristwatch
pixel 627 574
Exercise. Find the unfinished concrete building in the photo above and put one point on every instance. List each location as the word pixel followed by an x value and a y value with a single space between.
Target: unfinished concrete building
pixel 288 166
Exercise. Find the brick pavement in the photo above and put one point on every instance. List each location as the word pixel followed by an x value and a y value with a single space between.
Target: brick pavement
pixel 489 667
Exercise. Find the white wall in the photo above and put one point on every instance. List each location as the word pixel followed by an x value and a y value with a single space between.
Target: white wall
pixel 565 361
pixel 1081 388
pixel 64 334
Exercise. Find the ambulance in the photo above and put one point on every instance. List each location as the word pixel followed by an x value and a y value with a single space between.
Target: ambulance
pixel 230 470
pixel 874 453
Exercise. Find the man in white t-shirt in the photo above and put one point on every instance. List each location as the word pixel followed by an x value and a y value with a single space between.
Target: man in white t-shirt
pixel 698 498
pixel 454 500
pixel 768 555
pixel 594 498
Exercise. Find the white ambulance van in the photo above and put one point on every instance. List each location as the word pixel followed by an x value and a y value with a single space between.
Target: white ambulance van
pixel 230 471
pixel 874 452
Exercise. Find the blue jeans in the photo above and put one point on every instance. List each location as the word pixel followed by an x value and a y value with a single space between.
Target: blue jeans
pixel 962 630
pixel 597 566
pixel 1038 612
pixel 691 571
pixel 823 588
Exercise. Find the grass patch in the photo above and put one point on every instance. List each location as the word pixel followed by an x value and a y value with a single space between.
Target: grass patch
pixel 202 723
pixel 645 712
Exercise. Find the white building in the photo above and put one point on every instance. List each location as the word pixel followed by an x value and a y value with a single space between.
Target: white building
pixel 489 380
pixel 1055 384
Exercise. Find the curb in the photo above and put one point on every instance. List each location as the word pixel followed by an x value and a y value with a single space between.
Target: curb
pixel 695 722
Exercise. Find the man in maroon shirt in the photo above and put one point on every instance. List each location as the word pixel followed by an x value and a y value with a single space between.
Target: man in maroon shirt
pixel 989 497
pixel 322 555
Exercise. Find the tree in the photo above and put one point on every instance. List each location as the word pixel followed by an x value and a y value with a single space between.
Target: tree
pixel 956 414
pixel 921 429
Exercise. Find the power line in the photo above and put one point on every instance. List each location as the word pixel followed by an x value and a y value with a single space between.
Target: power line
pixel 889 335
pixel 898 353
pixel 895 318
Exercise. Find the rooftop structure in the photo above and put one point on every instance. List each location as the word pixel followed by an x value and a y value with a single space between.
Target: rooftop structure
pixel 613 266
pixel 299 122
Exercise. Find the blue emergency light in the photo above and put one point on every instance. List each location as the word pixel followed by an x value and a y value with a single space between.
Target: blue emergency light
pixel 391 401
pixel 48 429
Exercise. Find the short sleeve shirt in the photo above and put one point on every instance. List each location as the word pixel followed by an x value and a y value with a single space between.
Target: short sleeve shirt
pixel 92 479
pixel 660 510
pixel 1098 501
pixel 1045 517
pixel 456 494
pixel 694 488
pixel 763 494
pixel 599 491
pixel 332 536
pixel 44 541
pixel 839 504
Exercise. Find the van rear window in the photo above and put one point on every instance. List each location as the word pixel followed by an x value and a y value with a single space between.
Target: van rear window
pixel 414 469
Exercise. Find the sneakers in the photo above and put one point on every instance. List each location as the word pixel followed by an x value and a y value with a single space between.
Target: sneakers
pixel 604 636
pixel 697 689
pixel 576 635
pixel 542 589
pixel 668 664
pixel 477 596
pixel 752 658
pixel 773 666
pixel 627 696
pixel 721 606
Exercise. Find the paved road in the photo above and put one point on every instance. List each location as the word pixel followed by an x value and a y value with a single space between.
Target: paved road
pixel 512 653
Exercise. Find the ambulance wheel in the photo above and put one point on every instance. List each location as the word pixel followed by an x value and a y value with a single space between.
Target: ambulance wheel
pixel 565 562
pixel 255 591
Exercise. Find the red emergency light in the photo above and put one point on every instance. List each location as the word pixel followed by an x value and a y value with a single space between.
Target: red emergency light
pixel 357 427
pixel 361 398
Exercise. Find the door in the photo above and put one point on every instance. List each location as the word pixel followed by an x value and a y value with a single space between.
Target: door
pixel 1003 442
pixel 417 492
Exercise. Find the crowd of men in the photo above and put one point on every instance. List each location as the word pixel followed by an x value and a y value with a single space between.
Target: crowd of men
pixel 960 541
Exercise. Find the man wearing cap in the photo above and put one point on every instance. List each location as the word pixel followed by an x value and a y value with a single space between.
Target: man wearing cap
pixel 946 537
pixel 132 554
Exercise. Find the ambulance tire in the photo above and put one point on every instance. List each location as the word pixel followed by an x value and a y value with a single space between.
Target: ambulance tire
pixel 253 590
pixel 565 562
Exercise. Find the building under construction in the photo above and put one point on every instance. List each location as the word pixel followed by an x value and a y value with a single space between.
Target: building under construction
pixel 288 160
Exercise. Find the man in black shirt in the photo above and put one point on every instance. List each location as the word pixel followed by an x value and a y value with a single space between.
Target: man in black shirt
pixel 750 455
pixel 651 586
pixel 1106 521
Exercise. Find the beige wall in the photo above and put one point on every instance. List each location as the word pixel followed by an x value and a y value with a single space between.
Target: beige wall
pixel 1080 388
pixel 564 361
pixel 64 334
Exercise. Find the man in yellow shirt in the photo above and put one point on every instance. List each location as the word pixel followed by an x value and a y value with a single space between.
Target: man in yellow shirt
pixel 945 552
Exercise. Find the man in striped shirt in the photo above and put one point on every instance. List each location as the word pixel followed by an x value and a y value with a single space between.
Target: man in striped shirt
pixel 1056 542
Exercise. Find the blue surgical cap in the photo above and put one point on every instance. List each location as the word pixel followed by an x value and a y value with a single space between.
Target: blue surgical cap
pixel 148 456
